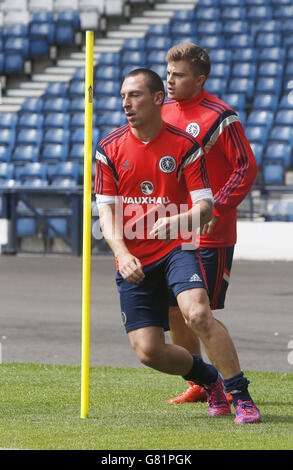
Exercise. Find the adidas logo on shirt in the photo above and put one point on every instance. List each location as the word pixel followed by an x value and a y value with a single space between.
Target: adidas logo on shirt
pixel 195 277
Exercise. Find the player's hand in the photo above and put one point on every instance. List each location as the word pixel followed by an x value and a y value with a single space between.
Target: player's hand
pixel 130 268
pixel 166 229
pixel 207 229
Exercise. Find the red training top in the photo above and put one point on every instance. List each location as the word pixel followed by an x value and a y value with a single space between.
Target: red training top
pixel 230 161
pixel 159 174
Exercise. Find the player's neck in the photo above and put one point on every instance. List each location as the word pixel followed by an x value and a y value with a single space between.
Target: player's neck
pixel 150 131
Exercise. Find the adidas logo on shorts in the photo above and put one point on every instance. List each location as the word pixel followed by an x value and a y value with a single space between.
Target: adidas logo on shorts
pixel 195 277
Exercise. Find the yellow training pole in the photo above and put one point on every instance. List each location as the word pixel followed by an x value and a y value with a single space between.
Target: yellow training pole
pixel 87 199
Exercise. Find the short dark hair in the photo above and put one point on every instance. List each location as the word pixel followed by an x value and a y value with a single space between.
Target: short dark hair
pixel 197 57
pixel 154 81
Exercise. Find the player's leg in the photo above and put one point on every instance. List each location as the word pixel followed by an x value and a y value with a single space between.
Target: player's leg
pixel 221 351
pixel 217 264
pixel 183 336
pixel 145 314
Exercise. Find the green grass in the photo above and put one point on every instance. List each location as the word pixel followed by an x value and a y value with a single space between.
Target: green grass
pixel 40 409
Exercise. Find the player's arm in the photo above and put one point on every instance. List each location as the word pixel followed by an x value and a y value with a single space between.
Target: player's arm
pixel 111 218
pixel 234 144
pixel 129 266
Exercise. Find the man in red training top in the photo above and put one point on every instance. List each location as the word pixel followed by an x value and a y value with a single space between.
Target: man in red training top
pixel 232 170
pixel 145 171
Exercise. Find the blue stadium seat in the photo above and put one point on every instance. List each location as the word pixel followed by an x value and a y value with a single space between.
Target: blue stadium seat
pixel 156 57
pixel 270 26
pixel 133 58
pixel 111 119
pixel 244 70
pixel 245 55
pixel 220 55
pixel 54 152
pixel 13 62
pixel 159 29
pixel 26 227
pixel 6 171
pixel 110 72
pixel 215 86
pixel 34 183
pixel 258 150
pixel 56 105
pixel 242 85
pixel 25 153
pixel 66 23
pixel 179 28
pixel 235 27
pixel 76 152
pixel 283 12
pixel 16 30
pixel 77 136
pixel 158 43
pixel 31 170
pixel 59 120
pixel 207 13
pixel 230 3
pixel 234 100
pixel 236 13
pixel 289 70
pixel 41 36
pixel 272 54
pixel 285 103
pixel 8 120
pixel 257 13
pixel 106 88
pixel 43 16
pixel 76 104
pixel 76 88
pixel 56 136
pixel 134 44
pixel 109 58
pixel 7 137
pixel 261 118
pixel 56 89
pixel 17 45
pixel 268 40
pixel 273 172
pixel 5 153
pixel 211 42
pixel 29 137
pixel 1 62
pixel 281 133
pixel 270 69
pixel 32 105
pixel 244 40
pixel 280 151
pixel 284 118
pixel 68 170
pixel 184 15
pixel 256 134
pixel 287 26
pixel 30 120
pixel 77 120
pixel 265 102
pixel 212 27
pixel 113 103
pixel 269 85
pixel 220 70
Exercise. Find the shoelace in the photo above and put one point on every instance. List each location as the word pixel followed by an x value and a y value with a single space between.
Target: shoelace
pixel 247 407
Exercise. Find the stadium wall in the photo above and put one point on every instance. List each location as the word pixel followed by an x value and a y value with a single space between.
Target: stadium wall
pixel 255 240
pixel 264 241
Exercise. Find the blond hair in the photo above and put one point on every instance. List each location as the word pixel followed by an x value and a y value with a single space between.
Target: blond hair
pixel 197 57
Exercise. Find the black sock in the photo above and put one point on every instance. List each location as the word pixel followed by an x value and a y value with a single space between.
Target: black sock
pixel 238 387
pixel 201 373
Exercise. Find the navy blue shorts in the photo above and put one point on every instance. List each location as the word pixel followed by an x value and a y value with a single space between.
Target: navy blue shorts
pixel 217 263
pixel 146 304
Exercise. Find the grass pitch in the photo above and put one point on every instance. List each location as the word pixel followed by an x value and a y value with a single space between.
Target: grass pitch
pixel 40 409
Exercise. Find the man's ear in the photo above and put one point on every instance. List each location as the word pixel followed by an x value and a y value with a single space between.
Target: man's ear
pixel 159 98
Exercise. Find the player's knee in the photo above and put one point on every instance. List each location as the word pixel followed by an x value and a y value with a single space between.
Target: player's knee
pixel 198 318
pixel 148 356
